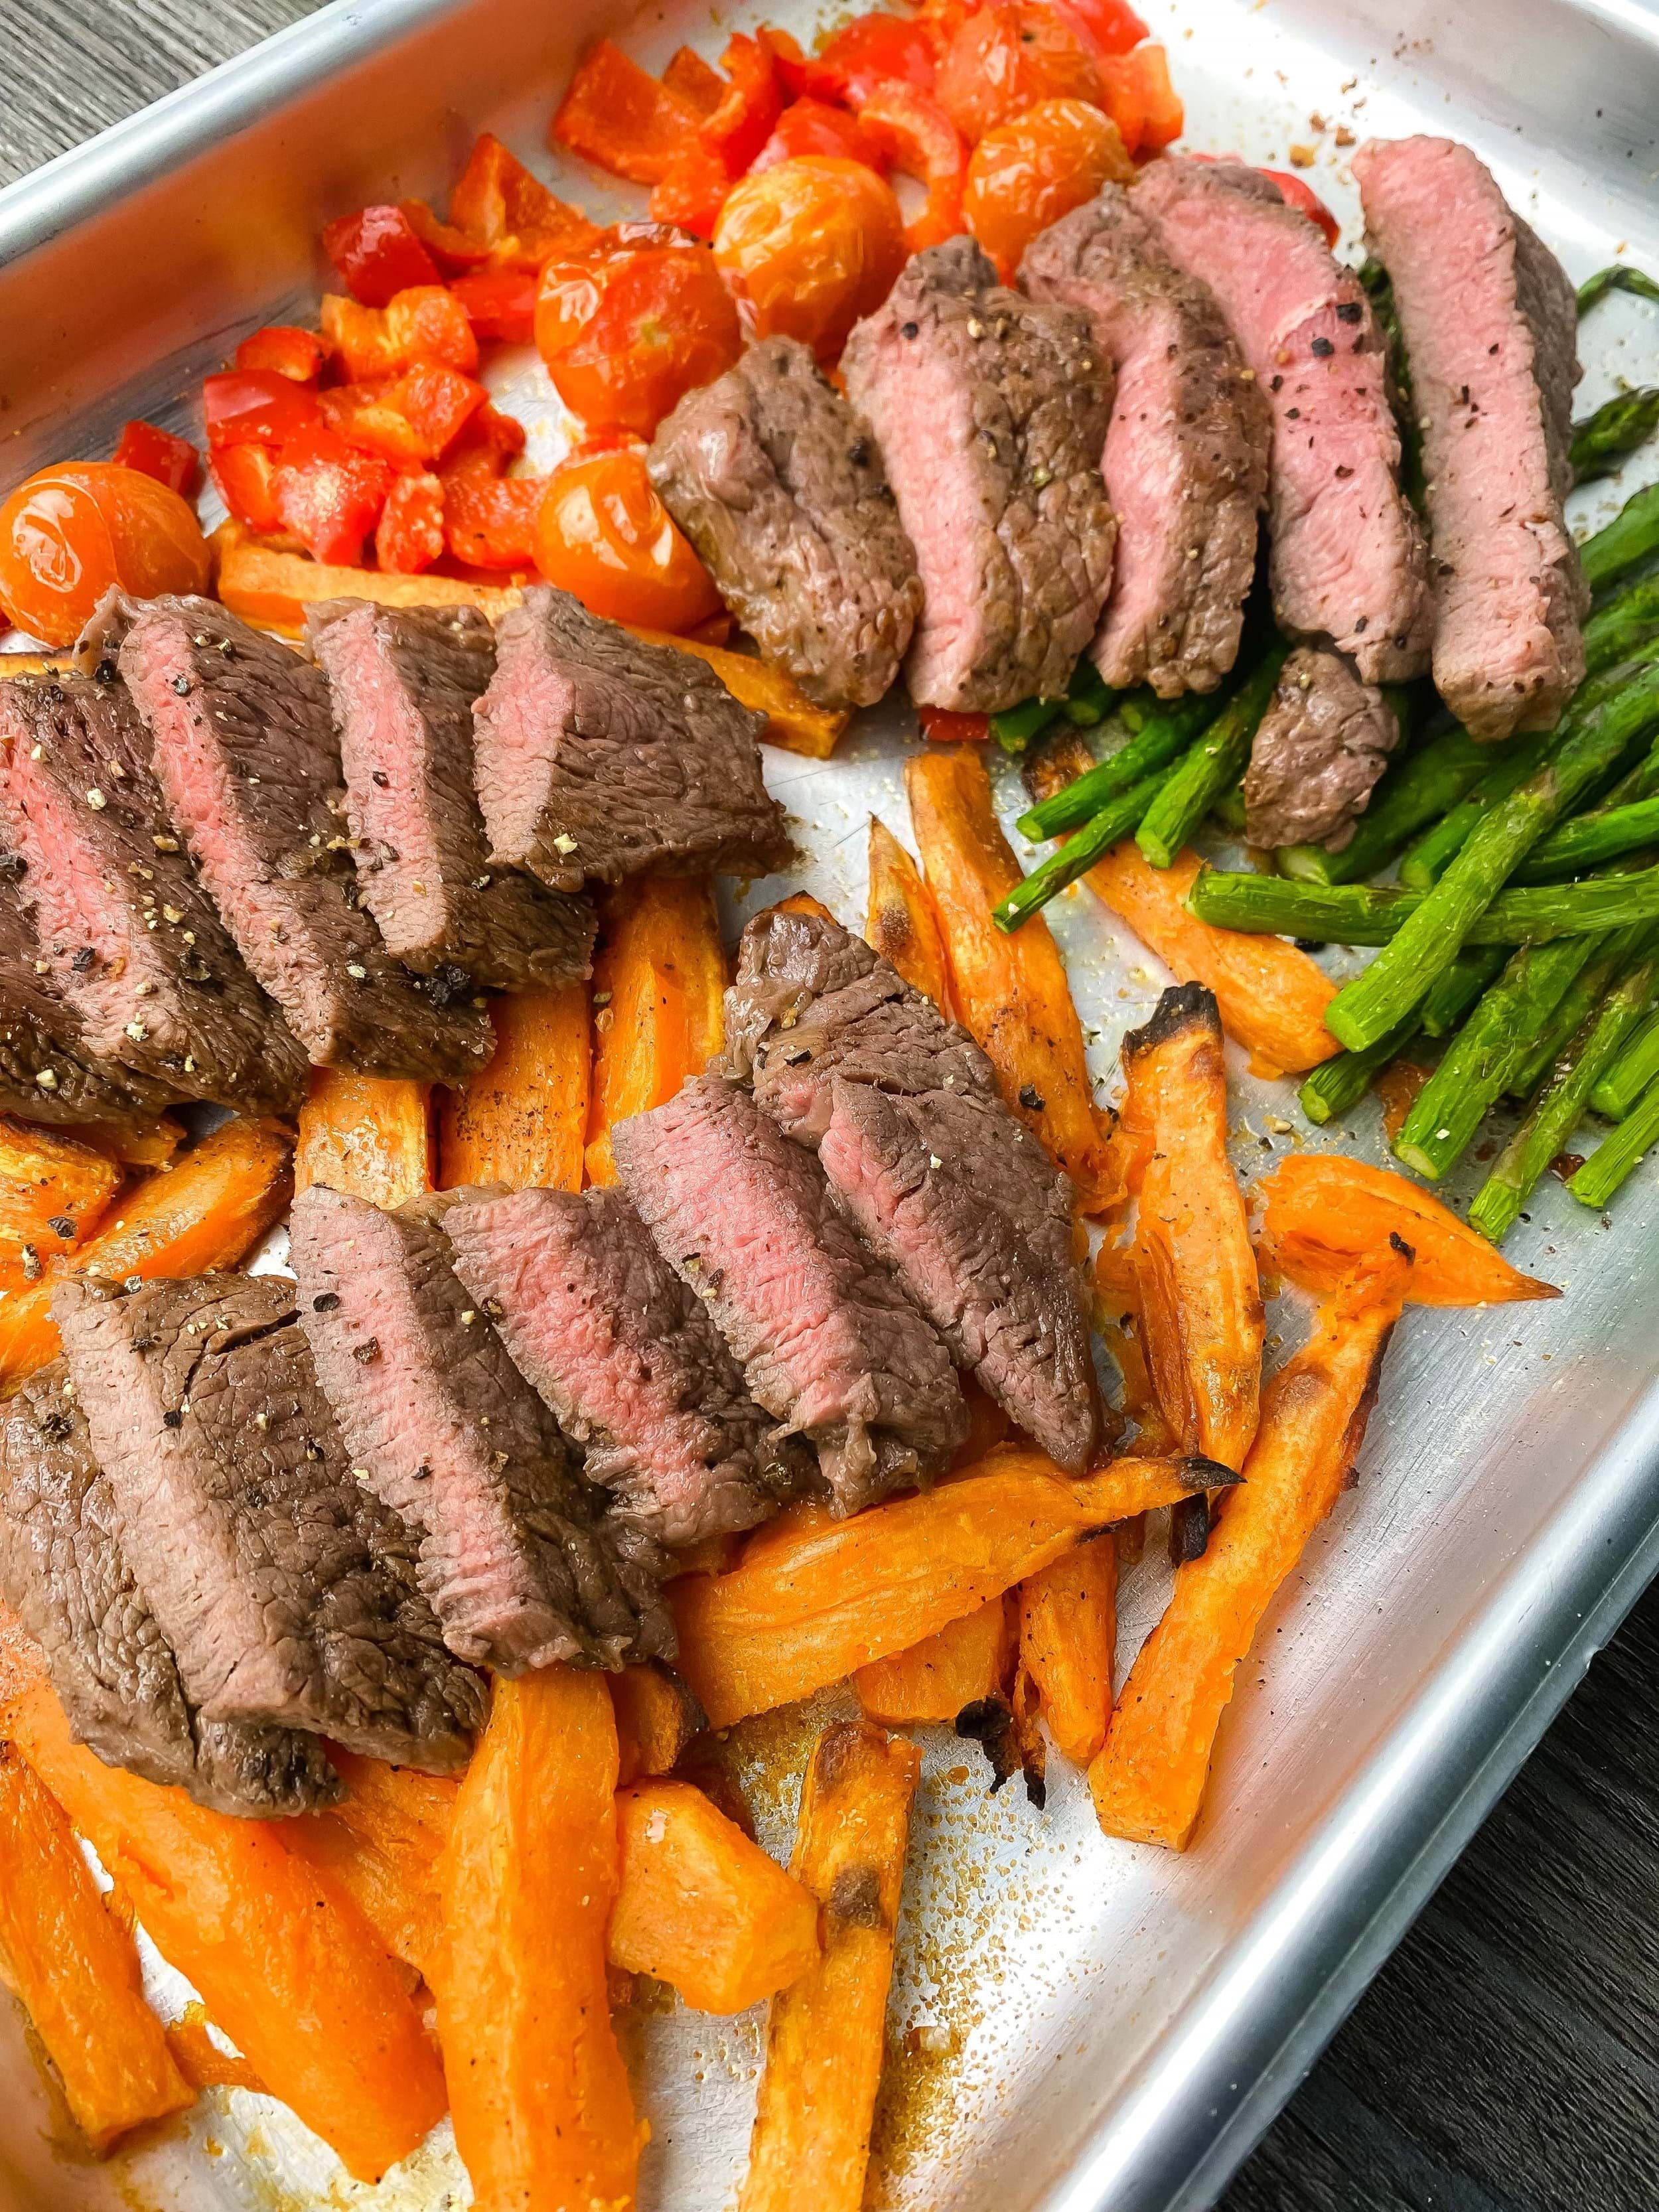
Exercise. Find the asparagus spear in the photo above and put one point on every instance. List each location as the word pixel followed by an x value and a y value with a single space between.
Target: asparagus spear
pixel 1228 810
pixel 1631 538
pixel 1084 702
pixel 1636 1067
pixel 1628 620
pixel 1336 1086
pixel 1377 914
pixel 1078 853
pixel 1589 838
pixel 1439 846
pixel 1089 697
pixel 1613 1159
pixel 1580 999
pixel 1618 426
pixel 1163 732
pixel 1620 277
pixel 1455 989
pixel 1213 762
pixel 1411 794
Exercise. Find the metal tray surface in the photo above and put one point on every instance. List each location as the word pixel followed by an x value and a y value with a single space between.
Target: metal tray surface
pixel 1089 2025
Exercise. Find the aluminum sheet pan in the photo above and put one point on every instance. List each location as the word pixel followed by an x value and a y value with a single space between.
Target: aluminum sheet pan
pixel 1089 2025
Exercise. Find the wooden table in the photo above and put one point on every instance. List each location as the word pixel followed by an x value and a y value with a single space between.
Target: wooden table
pixel 1507 2058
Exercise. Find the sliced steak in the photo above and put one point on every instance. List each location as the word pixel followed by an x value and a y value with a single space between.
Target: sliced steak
pixel 627 1357
pixel 47 1071
pixel 130 941
pixel 601 756
pixel 781 488
pixel 287 1591
pixel 247 755
pixel 1321 746
pixel 1490 325
pixel 65 1575
pixel 520 1568
pixel 827 1342
pixel 403 681
pixel 990 410
pixel 1348 560
pixel 1186 456
pixel 940 1179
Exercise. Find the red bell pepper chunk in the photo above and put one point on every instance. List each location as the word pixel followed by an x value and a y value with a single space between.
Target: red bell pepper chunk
pixel 329 494
pixel 1303 198
pixel 750 107
pixel 286 351
pixel 1112 24
pixel 1141 100
pixel 812 126
pixel 619 115
pixel 365 416
pixel 873 50
pixel 504 436
pixel 172 461
pixel 409 535
pixel 377 254
pixel 943 726
pixel 455 251
pixel 500 203
pixel 257 405
pixel 499 303
pixel 426 322
pixel 490 520
pixel 436 403
pixel 245 476
pixel 694 81
pixel 692 194
pixel 914 135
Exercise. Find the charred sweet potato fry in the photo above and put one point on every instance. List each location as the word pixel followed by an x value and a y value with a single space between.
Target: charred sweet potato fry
pixel 657 1717
pixel 1010 993
pixel 381 1844
pixel 1321 1211
pixel 139 1145
pixel 806 1606
pixel 802 902
pixel 543 2115
pixel 902 922
pixel 824 2040
pixel 1148 1782
pixel 367 1134
pixel 967 1661
pixel 74 1969
pixel 1068 1635
pixel 53 1191
pixel 522 1120
pixel 659 1002
pixel 701 1907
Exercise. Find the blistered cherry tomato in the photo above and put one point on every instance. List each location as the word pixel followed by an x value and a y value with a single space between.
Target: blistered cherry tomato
pixel 68 533
pixel 1006 57
pixel 1026 175
pixel 603 534
pixel 812 244
pixel 627 327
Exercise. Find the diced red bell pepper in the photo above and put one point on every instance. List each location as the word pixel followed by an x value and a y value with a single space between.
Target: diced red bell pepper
pixel 499 303
pixel 812 126
pixel 455 251
pixel 409 535
pixel 437 403
pixel 619 115
pixel 1141 100
pixel 692 194
pixel 286 351
pixel 329 494
pixel 245 477
pixel 693 80
pixel 943 727
pixel 427 323
pixel 257 405
pixel 490 520
pixel 504 436
pixel 377 254
pixel 1112 24
pixel 499 202
pixel 914 135
pixel 172 461
pixel 367 416
pixel 750 106
pixel 870 50
pixel 1303 198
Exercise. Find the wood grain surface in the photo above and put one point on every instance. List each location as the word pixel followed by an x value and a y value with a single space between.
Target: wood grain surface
pixel 1506 2059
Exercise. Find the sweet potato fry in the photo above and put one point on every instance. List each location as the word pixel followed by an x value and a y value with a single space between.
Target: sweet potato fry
pixel 794 724
pixel 656 1717
pixel 1148 1782
pixel 902 923
pixel 139 1145
pixel 1321 1211
pixel 802 902
pixel 204 1212
pixel 75 1969
pixel 968 1660
pixel 658 1001
pixel 1273 997
pixel 53 1191
pixel 381 1844
pixel 522 1120
pixel 367 1134
pixel 1010 992
pixel 200 2060
pixel 543 2115
pixel 824 2040
pixel 33 664
pixel 1068 1635
pixel 805 1608
pixel 285 1963
pixel 703 1908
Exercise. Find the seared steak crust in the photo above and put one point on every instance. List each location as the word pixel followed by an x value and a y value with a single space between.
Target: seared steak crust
pixel 1321 745
pixel 47 1071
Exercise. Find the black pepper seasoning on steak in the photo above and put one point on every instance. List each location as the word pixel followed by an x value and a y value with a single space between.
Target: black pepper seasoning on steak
pixel 1319 750
pixel 47 1071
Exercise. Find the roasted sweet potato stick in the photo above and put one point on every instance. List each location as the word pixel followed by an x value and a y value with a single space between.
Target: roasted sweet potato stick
pixel 201 2060
pixel 286 1964
pixel 1321 1211
pixel 805 1607
pixel 522 1120
pixel 825 2037
pixel 968 1660
pixel 802 902
pixel 656 1717
pixel 659 1002
pixel 1148 1782
pixel 902 924
pixel 76 1970
pixel 543 2115
pixel 145 1145
pixel 1067 1634
pixel 53 1191
pixel 204 1212
pixel 367 1134
pixel 381 1844
pixel 1010 993
pixel 703 1908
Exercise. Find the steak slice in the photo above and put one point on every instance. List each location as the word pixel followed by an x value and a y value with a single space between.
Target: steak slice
pixel 403 681
pixel 627 1357
pixel 287 1591
pixel 781 488
pixel 1186 456
pixel 65 1575
pixel 939 1178
pixel 246 756
pixel 520 1568
pixel 1348 560
pixel 47 1072
pixel 1321 746
pixel 827 1342
pixel 130 941
pixel 600 755
pixel 1490 324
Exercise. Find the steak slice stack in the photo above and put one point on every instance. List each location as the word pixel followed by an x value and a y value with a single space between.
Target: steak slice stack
pixel 250 767
pixel 1348 560
pixel 403 680
pixel 1321 746
pixel 600 755
pixel 129 941
pixel 781 488
pixel 827 1342
pixel 521 1567
pixel 47 1073
pixel 941 1180
pixel 990 410
pixel 65 1575
pixel 1490 324
pixel 627 1357
pixel 287 1591
pixel 1186 454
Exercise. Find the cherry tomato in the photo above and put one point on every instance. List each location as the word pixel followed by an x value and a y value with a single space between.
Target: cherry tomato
pixel 603 534
pixel 1006 57
pixel 871 49
pixel 812 244
pixel 1026 175
pixel 629 327
pixel 68 534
